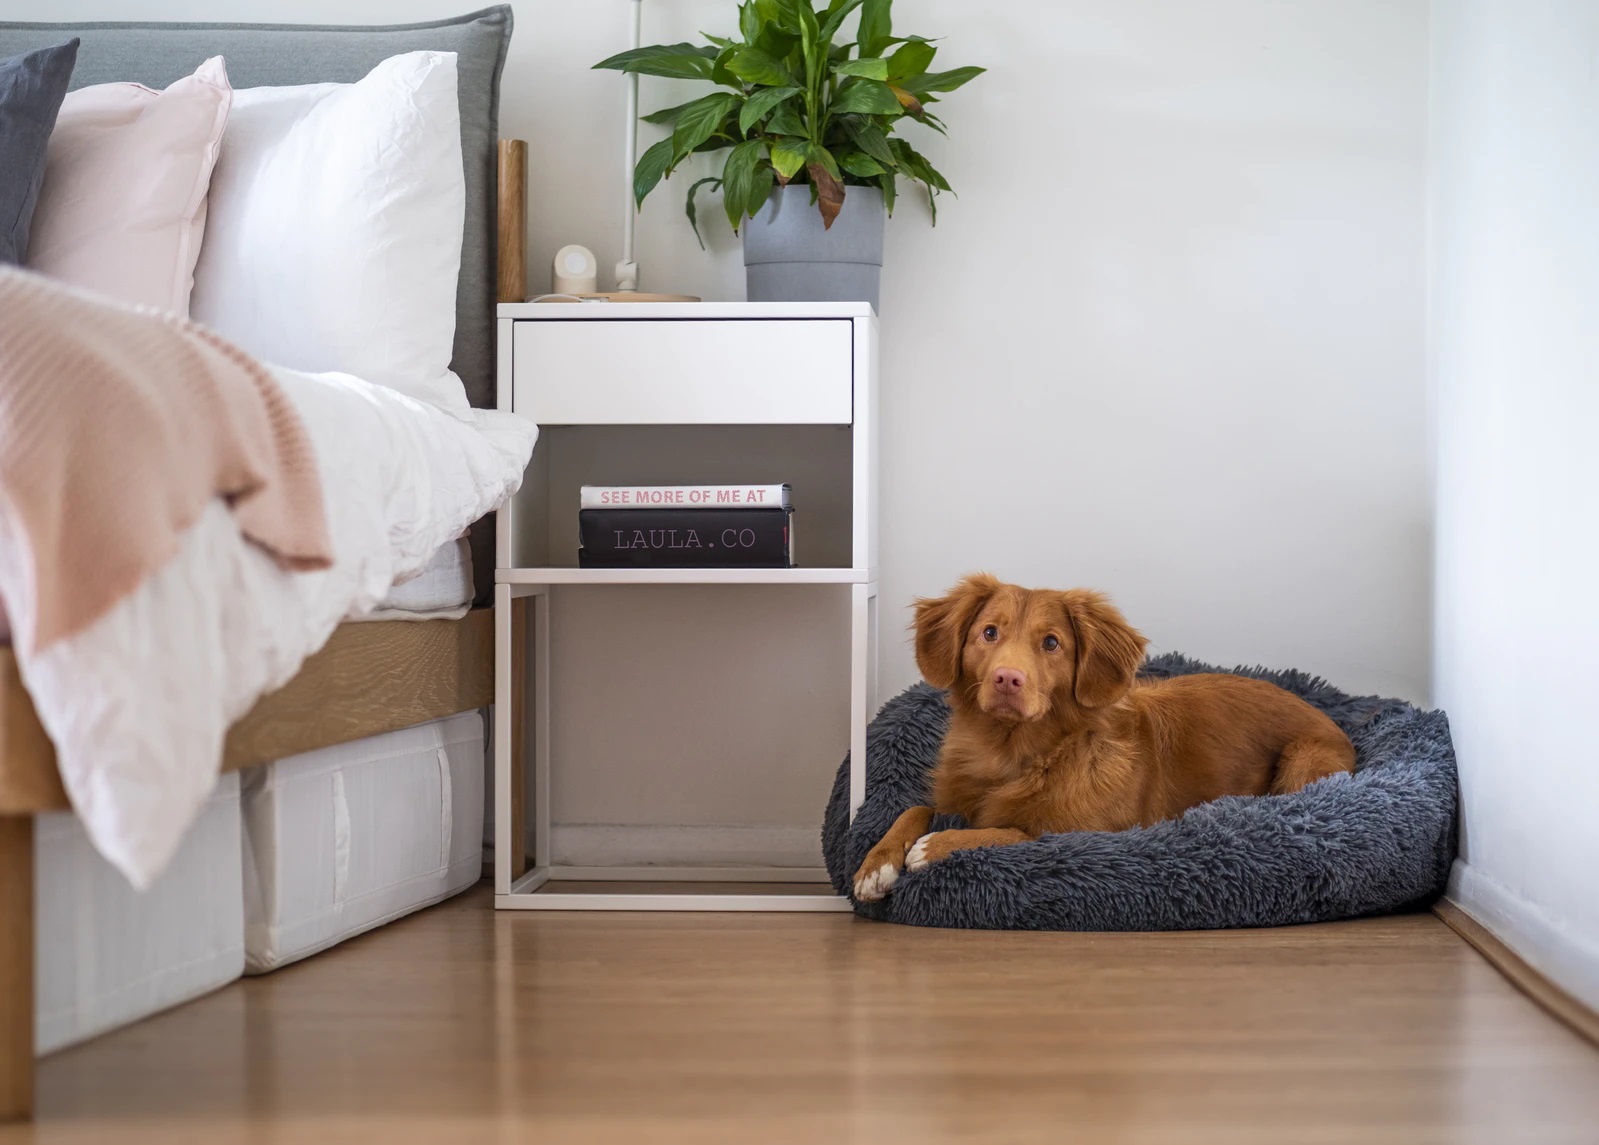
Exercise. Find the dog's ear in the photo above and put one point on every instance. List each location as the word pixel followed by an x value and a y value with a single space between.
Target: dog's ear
pixel 941 624
pixel 1109 649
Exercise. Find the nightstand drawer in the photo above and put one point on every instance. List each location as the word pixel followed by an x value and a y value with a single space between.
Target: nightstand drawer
pixel 594 371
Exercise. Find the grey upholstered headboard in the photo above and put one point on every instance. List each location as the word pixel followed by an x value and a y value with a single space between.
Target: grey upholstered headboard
pixel 262 55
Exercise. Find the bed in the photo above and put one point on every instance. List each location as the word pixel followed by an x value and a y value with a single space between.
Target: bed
pixel 369 677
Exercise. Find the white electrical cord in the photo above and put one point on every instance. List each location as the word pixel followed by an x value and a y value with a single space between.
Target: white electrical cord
pixel 627 269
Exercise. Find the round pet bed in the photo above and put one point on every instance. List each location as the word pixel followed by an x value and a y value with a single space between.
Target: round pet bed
pixel 1375 841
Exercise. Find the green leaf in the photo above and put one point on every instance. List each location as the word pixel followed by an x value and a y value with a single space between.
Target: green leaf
pixel 918 168
pixel 872 69
pixel 935 179
pixel 810 39
pixel 720 74
pixel 808 28
pixel 749 21
pixel 688 207
pixel 720 42
pixel 836 11
pixel 870 96
pixel 886 182
pixel 737 176
pixel 760 189
pixel 754 66
pixel 788 156
pixel 775 42
pixel 700 120
pixel 910 59
pixel 875 30
pixel 680 61
pixel 785 121
pixel 873 140
pixel 763 101
pixel 775 12
pixel 721 139
pixel 651 166
pixel 860 164
pixel 942 81
pixel 667 114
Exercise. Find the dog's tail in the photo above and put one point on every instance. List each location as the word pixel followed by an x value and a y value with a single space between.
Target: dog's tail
pixel 1306 760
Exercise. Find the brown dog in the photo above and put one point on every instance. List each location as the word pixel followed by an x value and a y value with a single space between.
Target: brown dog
pixel 1052 731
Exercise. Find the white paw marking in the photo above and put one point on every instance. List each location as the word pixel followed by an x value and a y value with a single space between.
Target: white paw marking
pixel 872 887
pixel 917 858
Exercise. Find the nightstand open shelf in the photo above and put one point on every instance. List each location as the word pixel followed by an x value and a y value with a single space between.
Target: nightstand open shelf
pixel 664 394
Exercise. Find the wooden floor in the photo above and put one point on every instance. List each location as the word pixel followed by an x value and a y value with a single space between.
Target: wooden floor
pixel 463 1024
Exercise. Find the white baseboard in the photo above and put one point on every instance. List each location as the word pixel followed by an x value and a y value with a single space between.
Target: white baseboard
pixel 1560 956
pixel 627 845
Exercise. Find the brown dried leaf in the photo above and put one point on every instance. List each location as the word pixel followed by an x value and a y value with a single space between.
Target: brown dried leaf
pixel 829 193
pixel 909 102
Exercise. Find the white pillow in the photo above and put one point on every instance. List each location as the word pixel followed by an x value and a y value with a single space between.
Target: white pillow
pixel 334 237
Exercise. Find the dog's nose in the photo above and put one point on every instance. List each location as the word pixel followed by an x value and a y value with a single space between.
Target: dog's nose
pixel 1008 680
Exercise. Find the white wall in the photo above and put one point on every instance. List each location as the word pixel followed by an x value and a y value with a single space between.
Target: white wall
pixel 1515 377
pixel 1168 342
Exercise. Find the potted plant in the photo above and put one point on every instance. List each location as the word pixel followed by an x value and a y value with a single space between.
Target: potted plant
pixel 808 120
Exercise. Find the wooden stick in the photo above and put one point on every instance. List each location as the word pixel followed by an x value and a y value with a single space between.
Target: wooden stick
pixel 513 221
pixel 16 967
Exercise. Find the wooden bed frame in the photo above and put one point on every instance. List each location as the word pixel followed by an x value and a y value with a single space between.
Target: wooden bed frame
pixel 371 677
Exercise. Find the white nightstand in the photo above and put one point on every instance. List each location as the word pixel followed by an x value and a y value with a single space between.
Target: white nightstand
pixel 611 372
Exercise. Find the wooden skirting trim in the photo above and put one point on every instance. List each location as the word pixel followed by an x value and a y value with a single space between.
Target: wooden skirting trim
pixel 1529 981
pixel 369 678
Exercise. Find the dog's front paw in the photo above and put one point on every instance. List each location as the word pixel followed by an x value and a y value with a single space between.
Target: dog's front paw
pixel 877 874
pixel 925 850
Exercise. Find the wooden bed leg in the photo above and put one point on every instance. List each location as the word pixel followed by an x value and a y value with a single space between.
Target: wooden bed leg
pixel 16 967
pixel 519 736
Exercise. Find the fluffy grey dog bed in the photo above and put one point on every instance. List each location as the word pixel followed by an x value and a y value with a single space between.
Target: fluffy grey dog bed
pixel 1375 841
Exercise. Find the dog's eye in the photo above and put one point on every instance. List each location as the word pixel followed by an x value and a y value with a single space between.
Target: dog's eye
pixel 1051 643
pixel 991 634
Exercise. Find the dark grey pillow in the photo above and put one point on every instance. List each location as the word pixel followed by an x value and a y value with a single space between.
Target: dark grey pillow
pixel 32 87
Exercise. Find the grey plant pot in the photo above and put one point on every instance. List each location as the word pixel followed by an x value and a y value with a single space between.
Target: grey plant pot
pixel 790 257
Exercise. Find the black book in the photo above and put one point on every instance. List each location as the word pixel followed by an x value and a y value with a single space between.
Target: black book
pixel 685 538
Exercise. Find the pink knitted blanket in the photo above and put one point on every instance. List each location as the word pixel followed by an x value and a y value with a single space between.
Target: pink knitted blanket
pixel 117 426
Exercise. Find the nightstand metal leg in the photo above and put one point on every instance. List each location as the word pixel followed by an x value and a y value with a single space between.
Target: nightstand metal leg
pixel 541 728
pixel 504 745
pixel 860 689
pixel 517 835
pixel 514 789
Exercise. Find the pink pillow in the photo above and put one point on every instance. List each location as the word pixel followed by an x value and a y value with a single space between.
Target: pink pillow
pixel 122 209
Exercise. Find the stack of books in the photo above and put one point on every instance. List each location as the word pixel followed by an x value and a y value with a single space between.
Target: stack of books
pixel 686 526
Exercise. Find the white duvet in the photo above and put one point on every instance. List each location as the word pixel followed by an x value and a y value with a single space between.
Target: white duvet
pixel 138 704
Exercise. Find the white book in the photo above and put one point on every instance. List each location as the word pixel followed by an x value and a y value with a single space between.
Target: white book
pixel 685 497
